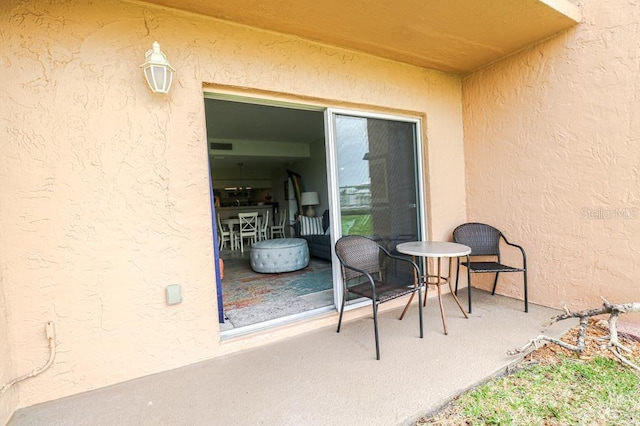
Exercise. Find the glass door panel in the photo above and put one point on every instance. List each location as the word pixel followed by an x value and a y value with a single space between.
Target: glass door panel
pixel 377 178
pixel 377 183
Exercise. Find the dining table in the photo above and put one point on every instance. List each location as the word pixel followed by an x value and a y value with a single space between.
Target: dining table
pixel 435 250
pixel 230 221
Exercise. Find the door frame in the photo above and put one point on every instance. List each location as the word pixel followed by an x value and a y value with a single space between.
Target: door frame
pixel 332 183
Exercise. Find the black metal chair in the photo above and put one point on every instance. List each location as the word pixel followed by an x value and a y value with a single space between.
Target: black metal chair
pixel 484 240
pixel 360 259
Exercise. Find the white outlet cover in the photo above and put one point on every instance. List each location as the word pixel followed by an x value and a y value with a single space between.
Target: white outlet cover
pixel 173 294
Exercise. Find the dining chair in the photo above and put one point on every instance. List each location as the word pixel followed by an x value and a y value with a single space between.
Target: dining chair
pixel 278 229
pixel 248 228
pixel 225 235
pixel 263 227
pixel 365 273
pixel 484 240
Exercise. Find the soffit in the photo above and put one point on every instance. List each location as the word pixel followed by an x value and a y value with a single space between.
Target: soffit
pixel 454 36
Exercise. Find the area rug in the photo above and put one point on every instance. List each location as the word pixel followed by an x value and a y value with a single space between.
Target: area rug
pixel 250 298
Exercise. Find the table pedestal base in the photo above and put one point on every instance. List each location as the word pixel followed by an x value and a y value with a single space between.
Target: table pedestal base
pixel 437 280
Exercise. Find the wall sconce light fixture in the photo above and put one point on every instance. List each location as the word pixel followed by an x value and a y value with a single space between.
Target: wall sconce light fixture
pixel 157 70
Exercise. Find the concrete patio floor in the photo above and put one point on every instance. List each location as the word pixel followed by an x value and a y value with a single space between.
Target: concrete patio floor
pixel 322 377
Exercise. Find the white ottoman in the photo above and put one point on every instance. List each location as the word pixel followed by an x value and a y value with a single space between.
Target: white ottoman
pixel 279 255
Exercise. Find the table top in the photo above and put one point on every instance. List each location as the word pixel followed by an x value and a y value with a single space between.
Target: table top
pixel 433 249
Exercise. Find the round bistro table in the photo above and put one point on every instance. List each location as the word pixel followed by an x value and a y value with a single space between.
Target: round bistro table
pixel 436 250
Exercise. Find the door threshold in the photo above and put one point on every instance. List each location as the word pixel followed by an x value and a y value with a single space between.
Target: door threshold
pixel 277 322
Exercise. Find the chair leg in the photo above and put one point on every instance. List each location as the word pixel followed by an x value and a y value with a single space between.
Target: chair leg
pixel 344 297
pixel 375 327
pixel 469 281
pixel 420 311
pixel 495 283
pixel 526 297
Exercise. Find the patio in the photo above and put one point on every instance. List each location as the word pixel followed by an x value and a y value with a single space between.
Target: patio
pixel 322 377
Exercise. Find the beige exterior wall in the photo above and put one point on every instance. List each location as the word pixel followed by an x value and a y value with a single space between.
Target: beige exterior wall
pixel 552 153
pixel 105 192
pixel 9 401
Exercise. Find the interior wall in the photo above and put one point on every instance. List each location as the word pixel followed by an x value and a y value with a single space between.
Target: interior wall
pixel 257 177
pixel 552 158
pixel 105 185
pixel 314 174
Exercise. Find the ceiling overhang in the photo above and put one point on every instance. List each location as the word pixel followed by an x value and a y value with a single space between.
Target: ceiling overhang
pixel 453 36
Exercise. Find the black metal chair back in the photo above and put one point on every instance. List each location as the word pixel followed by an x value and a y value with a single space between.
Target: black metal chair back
pixel 483 239
pixel 358 252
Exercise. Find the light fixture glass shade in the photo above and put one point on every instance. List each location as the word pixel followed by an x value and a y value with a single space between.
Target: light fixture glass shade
pixel 157 70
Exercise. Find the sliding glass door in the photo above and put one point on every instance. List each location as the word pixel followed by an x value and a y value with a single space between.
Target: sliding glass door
pixel 376 185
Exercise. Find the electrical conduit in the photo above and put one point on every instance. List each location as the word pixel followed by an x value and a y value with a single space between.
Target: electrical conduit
pixel 51 337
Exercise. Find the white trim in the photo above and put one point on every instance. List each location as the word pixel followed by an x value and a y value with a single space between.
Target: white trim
pixel 373 114
pixel 421 181
pixel 260 100
pixel 334 207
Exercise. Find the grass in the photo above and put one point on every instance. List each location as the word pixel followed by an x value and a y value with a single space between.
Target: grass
pixel 599 391
pixel 357 224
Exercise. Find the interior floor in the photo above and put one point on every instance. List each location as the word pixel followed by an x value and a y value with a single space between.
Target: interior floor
pixel 252 298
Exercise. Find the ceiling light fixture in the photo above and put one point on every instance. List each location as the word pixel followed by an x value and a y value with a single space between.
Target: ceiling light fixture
pixel 244 191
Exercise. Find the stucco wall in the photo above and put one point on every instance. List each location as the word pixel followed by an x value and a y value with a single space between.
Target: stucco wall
pixel 105 191
pixel 552 158
pixel 9 401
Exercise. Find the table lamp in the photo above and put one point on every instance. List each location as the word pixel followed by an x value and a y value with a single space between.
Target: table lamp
pixel 309 199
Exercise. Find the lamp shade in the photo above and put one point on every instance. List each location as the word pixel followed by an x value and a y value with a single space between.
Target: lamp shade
pixel 309 199
pixel 157 70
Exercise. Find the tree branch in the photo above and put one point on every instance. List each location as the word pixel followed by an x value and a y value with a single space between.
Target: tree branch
pixel 614 345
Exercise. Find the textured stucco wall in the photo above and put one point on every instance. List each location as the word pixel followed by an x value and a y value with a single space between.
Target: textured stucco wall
pixel 552 152
pixel 9 401
pixel 105 191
